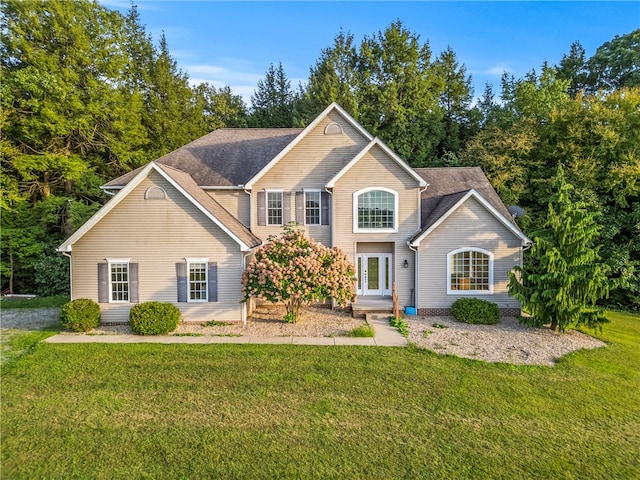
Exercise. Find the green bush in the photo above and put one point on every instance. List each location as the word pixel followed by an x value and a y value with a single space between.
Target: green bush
pixel 80 315
pixel 365 330
pixel 475 310
pixel 154 318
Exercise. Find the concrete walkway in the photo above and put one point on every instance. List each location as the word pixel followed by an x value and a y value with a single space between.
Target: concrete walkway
pixel 385 336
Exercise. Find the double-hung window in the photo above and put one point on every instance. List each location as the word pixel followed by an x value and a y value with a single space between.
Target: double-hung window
pixel 118 281
pixel 274 208
pixel 470 271
pixel 197 280
pixel 312 204
pixel 197 271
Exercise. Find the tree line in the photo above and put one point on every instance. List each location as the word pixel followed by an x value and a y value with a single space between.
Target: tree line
pixel 87 95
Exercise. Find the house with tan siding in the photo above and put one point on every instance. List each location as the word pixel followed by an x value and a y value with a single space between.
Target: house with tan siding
pixel 183 228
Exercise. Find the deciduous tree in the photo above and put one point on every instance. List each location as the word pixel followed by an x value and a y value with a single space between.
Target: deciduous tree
pixel 295 270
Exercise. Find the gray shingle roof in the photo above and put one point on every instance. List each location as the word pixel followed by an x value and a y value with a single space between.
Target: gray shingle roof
pixel 214 208
pixel 448 185
pixel 225 157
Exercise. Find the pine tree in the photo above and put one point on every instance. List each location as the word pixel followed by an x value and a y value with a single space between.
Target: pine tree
pixel 273 101
pixel 566 275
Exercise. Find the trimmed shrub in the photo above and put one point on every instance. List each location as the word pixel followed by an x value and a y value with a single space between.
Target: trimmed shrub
pixel 475 310
pixel 154 318
pixel 80 315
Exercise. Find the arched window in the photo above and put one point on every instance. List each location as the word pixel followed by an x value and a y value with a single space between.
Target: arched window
pixel 470 270
pixel 155 193
pixel 375 209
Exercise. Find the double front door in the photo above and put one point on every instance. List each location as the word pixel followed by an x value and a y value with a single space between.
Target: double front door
pixel 374 273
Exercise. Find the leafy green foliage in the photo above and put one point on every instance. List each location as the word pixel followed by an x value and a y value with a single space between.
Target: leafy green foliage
pixel 565 276
pixel 297 271
pixel 52 275
pixel 475 310
pixel 80 315
pixel 154 318
pixel 363 331
pixel 400 324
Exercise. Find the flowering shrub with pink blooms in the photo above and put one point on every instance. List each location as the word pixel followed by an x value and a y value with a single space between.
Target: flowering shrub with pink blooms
pixel 294 270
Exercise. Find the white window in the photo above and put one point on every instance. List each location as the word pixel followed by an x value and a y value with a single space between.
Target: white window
pixel 274 208
pixel 312 207
pixel 118 280
pixel 470 271
pixel 374 210
pixel 197 284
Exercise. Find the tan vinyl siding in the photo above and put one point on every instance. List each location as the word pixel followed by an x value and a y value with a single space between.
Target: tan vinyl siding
pixel 236 202
pixel 157 234
pixel 376 169
pixel 309 165
pixel 471 225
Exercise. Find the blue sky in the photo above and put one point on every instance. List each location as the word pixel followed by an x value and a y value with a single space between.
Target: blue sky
pixel 233 43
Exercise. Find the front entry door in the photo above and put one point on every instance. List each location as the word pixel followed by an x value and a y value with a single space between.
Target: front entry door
pixel 374 274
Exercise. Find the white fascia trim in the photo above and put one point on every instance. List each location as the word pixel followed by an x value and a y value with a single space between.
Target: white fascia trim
pixel 376 141
pixel 304 133
pixel 100 214
pixel 525 240
pixel 243 247
pixel 118 260
pixel 223 187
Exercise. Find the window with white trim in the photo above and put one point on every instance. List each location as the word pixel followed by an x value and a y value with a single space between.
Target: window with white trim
pixel 119 281
pixel 197 271
pixel 312 200
pixel 274 208
pixel 470 270
pixel 375 210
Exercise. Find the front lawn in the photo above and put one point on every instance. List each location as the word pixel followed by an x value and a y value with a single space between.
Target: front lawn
pixel 288 411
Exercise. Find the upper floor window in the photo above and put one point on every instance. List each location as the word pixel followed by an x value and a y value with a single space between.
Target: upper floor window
pixel 312 200
pixel 274 208
pixel 470 271
pixel 375 209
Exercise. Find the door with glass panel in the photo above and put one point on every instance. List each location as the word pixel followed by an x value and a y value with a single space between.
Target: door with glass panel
pixel 374 274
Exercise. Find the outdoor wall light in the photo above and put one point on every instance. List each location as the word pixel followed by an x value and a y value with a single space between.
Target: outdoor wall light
pixel 406 263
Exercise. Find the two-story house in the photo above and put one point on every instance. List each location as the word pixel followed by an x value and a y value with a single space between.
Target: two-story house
pixel 182 228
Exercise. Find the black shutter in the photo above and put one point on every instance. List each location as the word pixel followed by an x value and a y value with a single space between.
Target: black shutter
pixel 286 207
pixel 300 208
pixel 181 274
pixel 262 211
pixel 212 280
pixel 103 283
pixel 133 283
pixel 325 200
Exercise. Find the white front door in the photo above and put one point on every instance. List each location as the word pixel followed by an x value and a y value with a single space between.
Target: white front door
pixel 374 274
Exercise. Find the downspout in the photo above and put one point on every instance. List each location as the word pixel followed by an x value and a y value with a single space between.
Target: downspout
pixel 331 212
pixel 248 192
pixel 66 254
pixel 416 281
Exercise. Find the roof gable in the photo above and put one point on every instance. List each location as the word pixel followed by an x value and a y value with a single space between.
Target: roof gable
pixel 333 107
pixel 187 187
pixel 373 143
pixel 450 203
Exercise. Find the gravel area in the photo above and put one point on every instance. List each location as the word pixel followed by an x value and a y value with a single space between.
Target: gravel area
pixel 508 341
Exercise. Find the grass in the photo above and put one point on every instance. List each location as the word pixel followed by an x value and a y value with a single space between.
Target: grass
pixel 364 330
pixel 36 302
pixel 400 325
pixel 289 411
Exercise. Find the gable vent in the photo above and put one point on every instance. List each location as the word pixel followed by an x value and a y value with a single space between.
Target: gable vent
pixel 155 193
pixel 333 129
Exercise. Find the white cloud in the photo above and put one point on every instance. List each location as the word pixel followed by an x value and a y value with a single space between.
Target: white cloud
pixel 497 70
pixel 239 76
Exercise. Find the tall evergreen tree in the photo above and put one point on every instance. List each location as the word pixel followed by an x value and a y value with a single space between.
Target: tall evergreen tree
pixel 460 121
pixel 398 91
pixel 332 79
pixel 565 276
pixel 273 101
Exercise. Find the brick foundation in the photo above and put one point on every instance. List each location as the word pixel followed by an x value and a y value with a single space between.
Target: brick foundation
pixel 446 312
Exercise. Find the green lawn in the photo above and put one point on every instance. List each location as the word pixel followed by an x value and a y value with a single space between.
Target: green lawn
pixel 287 411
